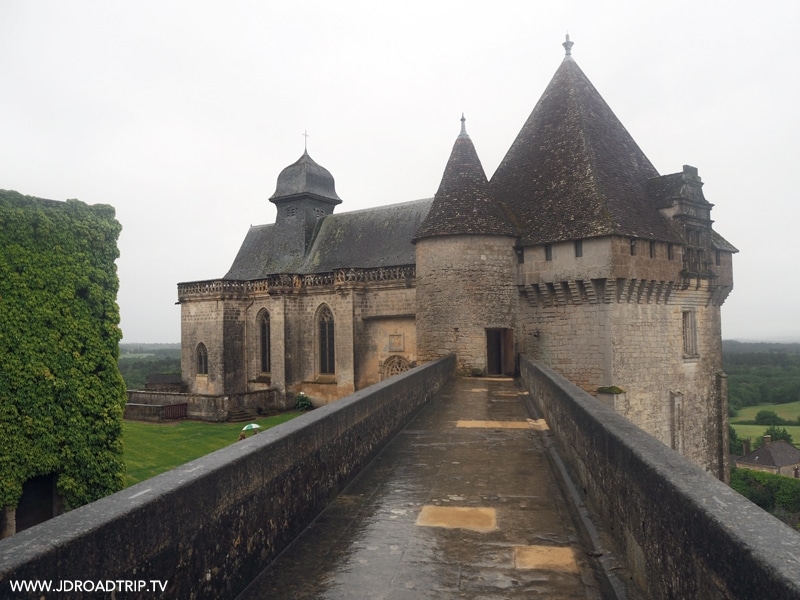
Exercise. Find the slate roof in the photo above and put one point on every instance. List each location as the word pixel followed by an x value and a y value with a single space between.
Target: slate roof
pixel 369 238
pixel 305 176
pixel 463 203
pixel 374 237
pixel 575 172
pixel 774 454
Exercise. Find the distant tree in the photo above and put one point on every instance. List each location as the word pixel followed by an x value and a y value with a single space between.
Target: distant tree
pixel 734 441
pixel 768 417
pixel 778 433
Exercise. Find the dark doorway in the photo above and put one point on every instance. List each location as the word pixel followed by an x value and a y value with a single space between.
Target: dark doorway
pixel 39 501
pixel 500 352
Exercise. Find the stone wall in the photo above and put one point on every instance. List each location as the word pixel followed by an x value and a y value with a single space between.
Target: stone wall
pixel 210 526
pixel 597 328
pixel 682 532
pixel 465 285
pixel 201 322
pixel 201 407
pixel 384 328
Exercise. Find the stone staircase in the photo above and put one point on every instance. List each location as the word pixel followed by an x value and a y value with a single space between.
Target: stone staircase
pixel 236 415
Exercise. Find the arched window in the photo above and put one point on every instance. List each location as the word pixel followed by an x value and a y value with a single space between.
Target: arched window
pixel 327 363
pixel 395 365
pixel 263 324
pixel 202 360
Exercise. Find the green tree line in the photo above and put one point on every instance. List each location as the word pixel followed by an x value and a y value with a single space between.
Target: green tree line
pixel 761 373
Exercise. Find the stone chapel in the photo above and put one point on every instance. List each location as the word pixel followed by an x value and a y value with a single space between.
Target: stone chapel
pixel 576 252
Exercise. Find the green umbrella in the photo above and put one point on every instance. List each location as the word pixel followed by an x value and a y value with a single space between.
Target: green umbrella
pixel 250 426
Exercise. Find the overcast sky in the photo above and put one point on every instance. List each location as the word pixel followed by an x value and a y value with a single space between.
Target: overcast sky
pixel 181 114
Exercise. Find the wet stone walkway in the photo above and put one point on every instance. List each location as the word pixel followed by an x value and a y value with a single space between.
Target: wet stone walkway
pixel 462 504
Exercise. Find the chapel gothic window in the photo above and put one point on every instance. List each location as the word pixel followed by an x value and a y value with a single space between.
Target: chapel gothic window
pixel 202 360
pixel 327 364
pixel 264 339
pixel 394 365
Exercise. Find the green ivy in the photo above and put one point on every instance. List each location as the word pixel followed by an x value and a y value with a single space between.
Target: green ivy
pixel 61 393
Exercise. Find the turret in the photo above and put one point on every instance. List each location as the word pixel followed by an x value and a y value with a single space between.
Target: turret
pixel 305 192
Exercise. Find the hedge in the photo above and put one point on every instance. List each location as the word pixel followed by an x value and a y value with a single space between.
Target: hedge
pixel 768 490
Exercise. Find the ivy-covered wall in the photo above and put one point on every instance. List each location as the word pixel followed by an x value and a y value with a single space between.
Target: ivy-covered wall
pixel 61 393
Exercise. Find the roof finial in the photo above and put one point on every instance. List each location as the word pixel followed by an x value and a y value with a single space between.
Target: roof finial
pixel 568 46
pixel 305 142
pixel 463 125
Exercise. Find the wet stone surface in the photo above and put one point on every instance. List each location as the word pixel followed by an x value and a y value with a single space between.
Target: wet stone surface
pixel 387 537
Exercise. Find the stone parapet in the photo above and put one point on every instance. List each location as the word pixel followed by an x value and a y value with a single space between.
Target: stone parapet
pixel 207 528
pixel 684 533
pixel 283 282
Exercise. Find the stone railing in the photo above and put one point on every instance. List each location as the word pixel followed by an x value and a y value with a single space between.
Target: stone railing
pixel 682 532
pixel 207 528
pixel 289 281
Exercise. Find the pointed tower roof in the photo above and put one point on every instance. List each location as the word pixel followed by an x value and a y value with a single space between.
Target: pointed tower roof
pixel 574 171
pixel 463 203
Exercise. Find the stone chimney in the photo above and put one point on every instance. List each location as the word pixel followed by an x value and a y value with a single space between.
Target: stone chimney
pixel 767 440
pixel 745 445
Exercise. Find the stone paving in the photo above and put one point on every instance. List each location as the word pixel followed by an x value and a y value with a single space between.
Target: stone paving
pixel 462 504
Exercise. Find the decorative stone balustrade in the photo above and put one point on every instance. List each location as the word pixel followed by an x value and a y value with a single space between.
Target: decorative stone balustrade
pixel 287 281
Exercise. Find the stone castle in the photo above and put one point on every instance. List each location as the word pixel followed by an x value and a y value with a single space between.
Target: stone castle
pixel 576 253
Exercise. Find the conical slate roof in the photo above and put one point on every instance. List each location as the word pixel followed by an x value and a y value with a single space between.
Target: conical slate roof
pixel 463 204
pixel 305 177
pixel 574 171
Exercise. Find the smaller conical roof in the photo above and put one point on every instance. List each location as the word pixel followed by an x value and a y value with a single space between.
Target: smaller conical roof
pixel 305 177
pixel 463 204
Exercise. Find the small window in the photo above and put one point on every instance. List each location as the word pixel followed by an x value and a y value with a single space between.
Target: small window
pixel 202 360
pixel 652 249
pixel 633 247
pixel 689 333
pixel 318 212
pixel 578 248
pixel 548 251
pixel 718 259
pixel 291 211
pixel 670 251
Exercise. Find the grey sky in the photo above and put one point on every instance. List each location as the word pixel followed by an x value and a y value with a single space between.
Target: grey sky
pixel 181 114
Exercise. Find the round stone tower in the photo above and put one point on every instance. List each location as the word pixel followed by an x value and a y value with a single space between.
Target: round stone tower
pixel 466 271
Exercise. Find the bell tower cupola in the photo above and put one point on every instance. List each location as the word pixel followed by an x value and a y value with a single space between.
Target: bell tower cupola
pixel 304 194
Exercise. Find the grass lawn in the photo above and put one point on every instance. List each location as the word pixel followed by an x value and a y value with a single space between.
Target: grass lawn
pixel 754 432
pixel 152 448
pixel 790 411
